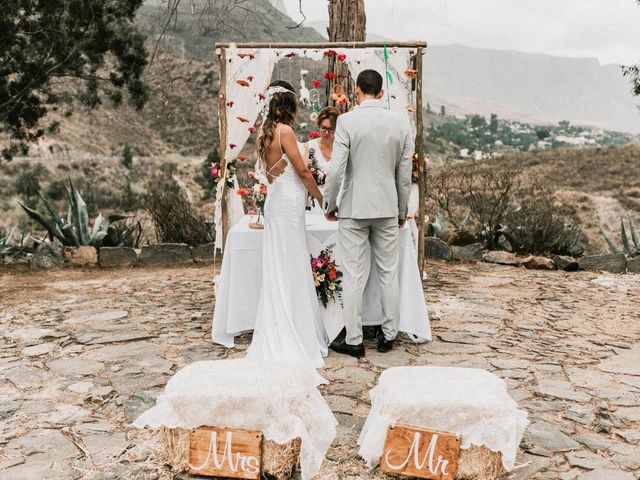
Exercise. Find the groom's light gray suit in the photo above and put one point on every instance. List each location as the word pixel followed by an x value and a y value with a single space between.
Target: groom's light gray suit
pixel 371 163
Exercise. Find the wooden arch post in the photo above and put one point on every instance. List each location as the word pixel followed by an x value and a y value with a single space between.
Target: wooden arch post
pixel 419 140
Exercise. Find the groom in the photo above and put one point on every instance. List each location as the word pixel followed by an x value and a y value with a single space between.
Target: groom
pixel 372 157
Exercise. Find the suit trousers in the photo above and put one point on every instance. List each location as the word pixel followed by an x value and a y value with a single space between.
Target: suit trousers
pixel 382 235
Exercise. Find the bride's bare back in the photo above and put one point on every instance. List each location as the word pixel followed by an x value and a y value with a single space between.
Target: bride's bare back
pixel 276 162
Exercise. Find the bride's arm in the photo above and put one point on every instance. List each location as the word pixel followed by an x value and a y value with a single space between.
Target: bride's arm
pixel 290 147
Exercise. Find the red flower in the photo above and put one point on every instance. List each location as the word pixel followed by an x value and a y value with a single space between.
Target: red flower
pixel 250 78
pixel 342 100
pixel 290 55
pixel 230 103
pixel 329 53
pixel 232 146
pixel 252 129
pixel 342 57
pixel 314 135
pixel 411 73
pixel 261 96
pixel 243 120
pixel 243 191
pixel 332 273
pixel 330 75
pixel 316 83
pixel 242 83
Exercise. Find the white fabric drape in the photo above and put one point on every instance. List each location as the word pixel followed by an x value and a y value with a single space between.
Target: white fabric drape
pixel 253 68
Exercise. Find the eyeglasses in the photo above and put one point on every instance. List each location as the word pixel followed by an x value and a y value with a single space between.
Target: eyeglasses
pixel 327 130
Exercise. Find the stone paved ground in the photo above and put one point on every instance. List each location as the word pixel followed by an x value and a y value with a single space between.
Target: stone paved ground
pixel 84 352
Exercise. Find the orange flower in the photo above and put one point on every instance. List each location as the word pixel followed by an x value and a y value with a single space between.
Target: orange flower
pixel 243 191
pixel 250 55
pixel 332 273
pixel 242 158
pixel 242 83
pixel 411 73
pixel 243 120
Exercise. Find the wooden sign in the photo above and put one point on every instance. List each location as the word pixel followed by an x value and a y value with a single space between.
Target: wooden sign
pixel 420 453
pixel 221 452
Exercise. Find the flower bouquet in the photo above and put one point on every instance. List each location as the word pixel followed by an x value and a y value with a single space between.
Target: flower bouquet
pixel 326 276
pixel 258 193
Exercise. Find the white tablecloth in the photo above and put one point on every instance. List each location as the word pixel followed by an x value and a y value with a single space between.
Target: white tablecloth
pixel 240 281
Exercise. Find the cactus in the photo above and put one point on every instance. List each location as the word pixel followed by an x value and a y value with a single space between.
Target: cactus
pixel 74 230
pixel 629 247
pixel 8 247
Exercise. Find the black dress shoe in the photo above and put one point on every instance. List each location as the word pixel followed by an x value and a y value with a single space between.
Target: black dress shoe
pixel 384 345
pixel 341 346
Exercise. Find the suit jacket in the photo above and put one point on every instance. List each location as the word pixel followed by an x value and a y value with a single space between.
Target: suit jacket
pixel 371 162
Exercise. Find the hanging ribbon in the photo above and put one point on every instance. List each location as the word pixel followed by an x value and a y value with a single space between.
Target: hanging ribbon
pixel 388 76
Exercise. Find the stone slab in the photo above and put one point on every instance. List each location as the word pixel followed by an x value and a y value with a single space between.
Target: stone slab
pixel 165 254
pixel 117 257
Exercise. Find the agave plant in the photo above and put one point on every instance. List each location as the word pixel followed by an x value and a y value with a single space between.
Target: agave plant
pixel 629 246
pixel 74 230
pixel 8 247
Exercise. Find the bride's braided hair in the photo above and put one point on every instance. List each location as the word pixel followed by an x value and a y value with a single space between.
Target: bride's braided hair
pixel 282 109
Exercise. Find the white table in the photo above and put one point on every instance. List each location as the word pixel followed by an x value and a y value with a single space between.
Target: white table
pixel 240 281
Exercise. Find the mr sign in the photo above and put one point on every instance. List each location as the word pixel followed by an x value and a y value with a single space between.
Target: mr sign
pixel 421 453
pixel 219 452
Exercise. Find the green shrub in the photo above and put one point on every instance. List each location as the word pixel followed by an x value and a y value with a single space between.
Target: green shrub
pixel 28 182
pixel 127 156
pixel 169 168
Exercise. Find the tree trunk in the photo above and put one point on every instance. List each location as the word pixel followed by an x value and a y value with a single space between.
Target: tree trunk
pixel 347 23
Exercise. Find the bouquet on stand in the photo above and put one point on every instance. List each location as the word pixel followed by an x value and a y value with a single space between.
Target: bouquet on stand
pixel 258 193
pixel 326 276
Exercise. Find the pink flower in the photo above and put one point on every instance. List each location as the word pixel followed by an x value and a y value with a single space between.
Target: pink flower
pixel 261 96
pixel 252 129
pixel 215 171
pixel 342 57
pixel 252 174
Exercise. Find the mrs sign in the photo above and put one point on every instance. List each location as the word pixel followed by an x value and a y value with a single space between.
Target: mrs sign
pixel 219 452
pixel 421 453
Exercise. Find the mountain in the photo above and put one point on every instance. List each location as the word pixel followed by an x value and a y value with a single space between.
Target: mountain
pixel 536 88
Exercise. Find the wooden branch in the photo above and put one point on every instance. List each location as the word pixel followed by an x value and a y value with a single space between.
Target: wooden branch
pixel 324 45
pixel 420 152
pixel 222 119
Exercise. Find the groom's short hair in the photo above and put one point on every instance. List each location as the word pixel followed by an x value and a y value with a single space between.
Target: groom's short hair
pixel 370 82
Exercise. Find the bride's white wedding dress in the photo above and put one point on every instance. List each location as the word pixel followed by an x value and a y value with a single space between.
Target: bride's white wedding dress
pixel 288 324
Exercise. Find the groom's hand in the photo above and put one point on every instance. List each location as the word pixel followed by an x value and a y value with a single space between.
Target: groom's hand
pixel 401 222
pixel 332 216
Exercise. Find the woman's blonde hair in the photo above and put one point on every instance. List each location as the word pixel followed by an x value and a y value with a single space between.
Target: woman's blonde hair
pixel 330 113
pixel 283 108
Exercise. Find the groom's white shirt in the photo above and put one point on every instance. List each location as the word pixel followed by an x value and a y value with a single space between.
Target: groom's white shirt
pixel 371 161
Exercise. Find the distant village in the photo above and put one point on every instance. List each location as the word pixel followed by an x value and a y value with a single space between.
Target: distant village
pixel 474 136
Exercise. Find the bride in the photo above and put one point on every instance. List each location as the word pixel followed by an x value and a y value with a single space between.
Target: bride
pixel 288 324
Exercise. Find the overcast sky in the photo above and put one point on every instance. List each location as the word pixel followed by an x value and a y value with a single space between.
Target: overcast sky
pixel 606 29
